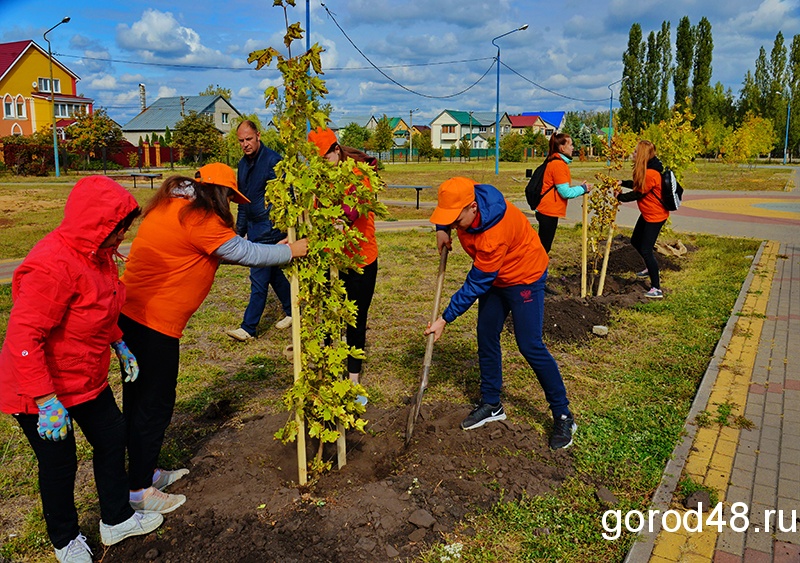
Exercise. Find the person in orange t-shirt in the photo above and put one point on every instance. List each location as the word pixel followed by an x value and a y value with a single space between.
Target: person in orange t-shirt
pixel 360 287
pixel 187 231
pixel 646 192
pixel 508 274
pixel 556 188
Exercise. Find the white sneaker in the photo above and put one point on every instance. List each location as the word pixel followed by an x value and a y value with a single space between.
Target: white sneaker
pixel 239 334
pixel 75 551
pixel 137 525
pixel 154 500
pixel 285 322
pixel 166 478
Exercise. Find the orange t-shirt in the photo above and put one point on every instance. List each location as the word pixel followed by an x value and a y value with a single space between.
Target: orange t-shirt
pixel 171 267
pixel 367 249
pixel 650 205
pixel 557 172
pixel 511 248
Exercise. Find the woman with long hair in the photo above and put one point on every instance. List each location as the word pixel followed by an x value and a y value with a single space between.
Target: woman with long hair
pixel 557 188
pixel 360 287
pixel 187 231
pixel 646 192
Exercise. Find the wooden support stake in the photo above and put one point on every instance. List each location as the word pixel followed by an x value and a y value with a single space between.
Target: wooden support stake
pixel 302 464
pixel 605 260
pixel 584 243
pixel 341 442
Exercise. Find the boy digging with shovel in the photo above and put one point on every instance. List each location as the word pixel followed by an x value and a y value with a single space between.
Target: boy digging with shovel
pixel 508 274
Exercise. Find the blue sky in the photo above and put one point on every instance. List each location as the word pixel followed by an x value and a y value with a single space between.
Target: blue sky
pixel 433 48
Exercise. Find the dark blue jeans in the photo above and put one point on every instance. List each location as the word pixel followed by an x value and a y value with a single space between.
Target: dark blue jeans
pixel 526 305
pixel 260 280
pixel 104 427
pixel 643 240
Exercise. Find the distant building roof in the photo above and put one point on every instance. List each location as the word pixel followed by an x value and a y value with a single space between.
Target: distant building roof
pixel 166 112
pixel 554 118
pixel 477 118
pixel 523 120
pixel 360 120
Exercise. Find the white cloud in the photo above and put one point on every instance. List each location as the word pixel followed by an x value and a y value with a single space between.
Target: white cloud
pixel 166 92
pixel 104 82
pixel 769 16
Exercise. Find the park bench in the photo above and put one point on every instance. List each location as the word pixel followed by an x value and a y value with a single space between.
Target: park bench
pixel 151 176
pixel 418 188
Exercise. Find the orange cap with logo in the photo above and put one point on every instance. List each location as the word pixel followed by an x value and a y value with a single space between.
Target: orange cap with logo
pixel 324 138
pixel 454 195
pixel 220 175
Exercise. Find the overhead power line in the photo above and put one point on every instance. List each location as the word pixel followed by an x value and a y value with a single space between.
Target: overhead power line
pixel 548 89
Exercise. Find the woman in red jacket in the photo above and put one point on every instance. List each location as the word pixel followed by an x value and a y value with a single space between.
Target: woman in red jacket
pixel 646 193
pixel 55 359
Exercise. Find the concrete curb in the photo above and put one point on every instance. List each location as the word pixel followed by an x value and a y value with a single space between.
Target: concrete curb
pixel 641 551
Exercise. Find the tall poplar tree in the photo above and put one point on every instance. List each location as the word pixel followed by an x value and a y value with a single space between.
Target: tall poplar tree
pixel 701 72
pixel 776 96
pixel 651 81
pixel 631 90
pixel 794 93
pixel 684 58
pixel 761 79
pixel 665 74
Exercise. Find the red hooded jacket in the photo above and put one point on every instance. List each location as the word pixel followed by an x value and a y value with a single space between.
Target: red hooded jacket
pixel 66 299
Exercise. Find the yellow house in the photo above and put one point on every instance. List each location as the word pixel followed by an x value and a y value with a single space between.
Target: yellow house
pixel 25 91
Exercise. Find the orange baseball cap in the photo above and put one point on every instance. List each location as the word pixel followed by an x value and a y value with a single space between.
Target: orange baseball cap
pixel 221 175
pixel 324 138
pixel 454 195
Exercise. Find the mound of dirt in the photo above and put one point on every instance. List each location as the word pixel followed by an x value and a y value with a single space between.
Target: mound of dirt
pixel 386 504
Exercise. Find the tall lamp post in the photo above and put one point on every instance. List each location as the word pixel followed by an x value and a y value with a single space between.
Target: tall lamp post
pixel 611 113
pixel 53 93
pixel 497 111
pixel 411 134
pixel 788 118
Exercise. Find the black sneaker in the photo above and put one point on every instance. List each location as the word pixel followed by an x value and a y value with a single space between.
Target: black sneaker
pixel 563 429
pixel 482 414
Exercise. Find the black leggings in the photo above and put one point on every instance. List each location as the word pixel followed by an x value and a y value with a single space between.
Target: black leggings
pixel 360 288
pixel 643 240
pixel 547 230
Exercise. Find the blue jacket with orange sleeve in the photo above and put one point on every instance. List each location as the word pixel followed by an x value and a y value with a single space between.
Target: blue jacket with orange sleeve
pixel 504 247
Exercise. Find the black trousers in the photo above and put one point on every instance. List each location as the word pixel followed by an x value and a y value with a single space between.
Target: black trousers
pixel 104 427
pixel 149 401
pixel 360 288
pixel 547 230
pixel 643 240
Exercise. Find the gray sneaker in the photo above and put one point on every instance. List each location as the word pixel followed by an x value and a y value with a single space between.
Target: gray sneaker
pixel 75 551
pixel 156 501
pixel 482 414
pixel 564 428
pixel 166 478
pixel 137 525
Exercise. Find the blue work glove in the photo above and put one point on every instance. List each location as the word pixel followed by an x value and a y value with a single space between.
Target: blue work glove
pixel 127 361
pixel 54 423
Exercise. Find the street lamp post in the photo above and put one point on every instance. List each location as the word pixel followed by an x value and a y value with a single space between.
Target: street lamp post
pixel 53 94
pixel 497 109
pixel 411 134
pixel 611 114
pixel 786 139
pixel 471 138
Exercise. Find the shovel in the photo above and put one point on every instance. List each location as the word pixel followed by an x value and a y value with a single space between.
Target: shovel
pixel 426 366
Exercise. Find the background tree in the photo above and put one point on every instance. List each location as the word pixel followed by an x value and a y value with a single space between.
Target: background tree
pixel 167 136
pixel 651 81
pixel 684 58
pixel 712 136
pixel 721 105
pixel 701 72
pixel 754 137
pixel 423 145
pixel 356 136
pixel 794 94
pixel 664 43
pixel 93 132
pixel 383 139
pixel 761 76
pixel 573 123
pixel 465 146
pixel 776 96
pixel 197 136
pixel 511 148
pixel 749 98
pixel 217 90
pixel 630 95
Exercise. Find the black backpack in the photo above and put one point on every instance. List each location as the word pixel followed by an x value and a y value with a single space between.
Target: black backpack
pixel 533 191
pixel 671 191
